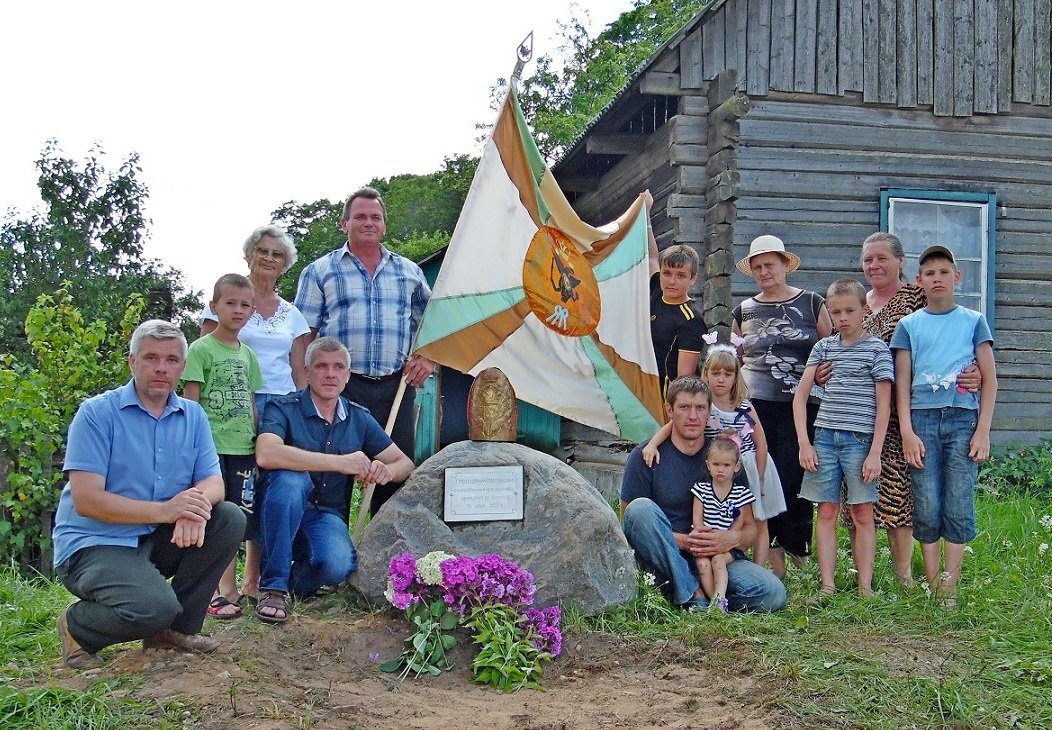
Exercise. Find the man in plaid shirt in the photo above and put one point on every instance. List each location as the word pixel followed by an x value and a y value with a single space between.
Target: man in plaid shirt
pixel 371 300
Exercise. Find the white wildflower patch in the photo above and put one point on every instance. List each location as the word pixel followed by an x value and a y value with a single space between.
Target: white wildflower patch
pixel 429 567
pixel 1046 522
pixel 1042 548
pixel 649 579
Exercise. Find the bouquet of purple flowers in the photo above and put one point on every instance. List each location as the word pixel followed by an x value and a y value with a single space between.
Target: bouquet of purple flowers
pixel 491 596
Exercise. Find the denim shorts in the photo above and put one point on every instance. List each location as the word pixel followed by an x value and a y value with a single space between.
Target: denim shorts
pixel 944 490
pixel 840 458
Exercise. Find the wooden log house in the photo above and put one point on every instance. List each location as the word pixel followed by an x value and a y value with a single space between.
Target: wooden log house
pixel 822 121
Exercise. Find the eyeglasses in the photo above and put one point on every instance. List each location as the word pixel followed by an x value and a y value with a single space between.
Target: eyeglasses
pixel 267 253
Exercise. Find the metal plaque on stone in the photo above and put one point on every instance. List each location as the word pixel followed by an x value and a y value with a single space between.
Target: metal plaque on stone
pixel 483 493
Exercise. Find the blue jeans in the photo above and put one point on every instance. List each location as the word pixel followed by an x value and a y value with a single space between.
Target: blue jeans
pixel 841 455
pixel 304 548
pixel 749 586
pixel 944 490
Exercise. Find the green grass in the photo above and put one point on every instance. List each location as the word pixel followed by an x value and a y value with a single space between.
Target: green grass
pixel 29 650
pixel 898 660
pixel 105 705
pixel 895 661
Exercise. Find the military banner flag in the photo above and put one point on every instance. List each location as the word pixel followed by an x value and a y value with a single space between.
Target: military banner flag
pixel 559 306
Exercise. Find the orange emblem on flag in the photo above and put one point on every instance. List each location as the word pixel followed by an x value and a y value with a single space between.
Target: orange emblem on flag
pixel 560 286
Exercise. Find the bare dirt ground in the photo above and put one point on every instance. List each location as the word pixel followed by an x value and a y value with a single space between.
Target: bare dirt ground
pixel 322 672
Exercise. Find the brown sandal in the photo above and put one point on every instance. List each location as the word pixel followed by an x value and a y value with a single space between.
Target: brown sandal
pixel 278 606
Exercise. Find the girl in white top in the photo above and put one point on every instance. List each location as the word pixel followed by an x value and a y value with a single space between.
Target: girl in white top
pixel 272 332
pixel 277 332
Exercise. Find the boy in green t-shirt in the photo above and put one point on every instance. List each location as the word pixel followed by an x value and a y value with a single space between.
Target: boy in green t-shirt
pixel 223 375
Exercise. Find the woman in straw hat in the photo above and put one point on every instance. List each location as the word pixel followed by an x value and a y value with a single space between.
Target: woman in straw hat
pixel 780 325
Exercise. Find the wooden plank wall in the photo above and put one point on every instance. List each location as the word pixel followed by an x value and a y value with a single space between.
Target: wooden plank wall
pixel 959 56
pixel 811 173
pixel 683 135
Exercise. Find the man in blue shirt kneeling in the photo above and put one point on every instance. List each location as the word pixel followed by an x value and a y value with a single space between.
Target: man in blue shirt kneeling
pixel 144 503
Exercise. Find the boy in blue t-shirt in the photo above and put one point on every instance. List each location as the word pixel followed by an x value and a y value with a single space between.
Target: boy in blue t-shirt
pixel 945 429
pixel 850 428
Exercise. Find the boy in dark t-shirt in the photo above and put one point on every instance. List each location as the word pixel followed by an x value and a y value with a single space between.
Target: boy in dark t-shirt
pixel 676 323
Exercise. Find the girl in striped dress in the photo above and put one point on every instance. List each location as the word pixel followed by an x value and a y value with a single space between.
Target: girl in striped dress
pixel 719 503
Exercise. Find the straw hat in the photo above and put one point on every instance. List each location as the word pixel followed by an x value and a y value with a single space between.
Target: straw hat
pixel 768 244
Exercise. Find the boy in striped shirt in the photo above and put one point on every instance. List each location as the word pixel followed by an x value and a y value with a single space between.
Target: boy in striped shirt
pixel 849 431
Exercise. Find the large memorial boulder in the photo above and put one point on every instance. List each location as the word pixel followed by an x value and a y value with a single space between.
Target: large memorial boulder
pixel 568 538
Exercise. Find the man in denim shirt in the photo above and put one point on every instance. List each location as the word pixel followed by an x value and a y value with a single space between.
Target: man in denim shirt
pixel 311 446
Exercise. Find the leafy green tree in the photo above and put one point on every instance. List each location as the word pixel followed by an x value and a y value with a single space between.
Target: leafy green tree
pixel 71 360
pixel 570 88
pixel 90 233
pixel 456 175
pixel 315 227
pixel 431 202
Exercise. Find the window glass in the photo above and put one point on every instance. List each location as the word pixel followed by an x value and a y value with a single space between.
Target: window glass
pixel 963 227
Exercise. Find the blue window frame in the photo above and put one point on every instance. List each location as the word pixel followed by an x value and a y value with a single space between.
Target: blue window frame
pixel 964 222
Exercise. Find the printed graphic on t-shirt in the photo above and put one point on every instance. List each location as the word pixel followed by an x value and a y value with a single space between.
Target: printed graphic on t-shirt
pixel 947 380
pixel 230 395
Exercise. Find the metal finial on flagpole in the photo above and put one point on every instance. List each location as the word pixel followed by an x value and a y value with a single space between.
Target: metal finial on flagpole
pixel 524 53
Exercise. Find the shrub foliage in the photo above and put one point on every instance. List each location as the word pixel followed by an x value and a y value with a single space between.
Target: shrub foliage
pixel 72 359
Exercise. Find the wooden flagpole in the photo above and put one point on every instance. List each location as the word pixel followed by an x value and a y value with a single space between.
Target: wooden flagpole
pixel 523 54
pixel 368 489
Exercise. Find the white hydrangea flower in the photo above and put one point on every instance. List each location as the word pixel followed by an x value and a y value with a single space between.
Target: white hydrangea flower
pixel 429 567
